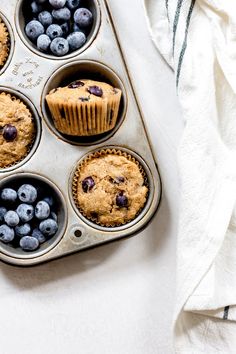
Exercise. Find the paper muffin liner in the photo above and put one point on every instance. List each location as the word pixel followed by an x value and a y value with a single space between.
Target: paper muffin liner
pixel 85 118
pixel 4 43
pixel 34 136
pixel 96 154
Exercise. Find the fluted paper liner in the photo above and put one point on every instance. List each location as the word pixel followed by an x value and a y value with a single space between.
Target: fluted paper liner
pixel 4 43
pixel 85 118
pixel 34 137
pixel 97 154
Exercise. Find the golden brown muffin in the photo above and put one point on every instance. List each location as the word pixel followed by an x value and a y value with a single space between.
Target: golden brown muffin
pixel 17 130
pixel 111 189
pixel 4 43
pixel 84 107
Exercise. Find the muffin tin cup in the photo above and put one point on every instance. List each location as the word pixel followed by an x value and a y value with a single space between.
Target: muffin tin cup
pixel 94 7
pixel 37 122
pixel 131 156
pixel 14 181
pixel 11 43
pixel 54 156
pixel 81 69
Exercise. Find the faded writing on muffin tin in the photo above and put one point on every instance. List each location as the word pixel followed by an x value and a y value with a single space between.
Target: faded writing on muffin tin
pixel 27 72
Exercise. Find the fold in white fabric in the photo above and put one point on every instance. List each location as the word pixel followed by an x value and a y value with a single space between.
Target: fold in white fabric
pixel 198 40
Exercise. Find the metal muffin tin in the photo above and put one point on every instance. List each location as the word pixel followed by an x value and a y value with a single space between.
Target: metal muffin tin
pixel 53 160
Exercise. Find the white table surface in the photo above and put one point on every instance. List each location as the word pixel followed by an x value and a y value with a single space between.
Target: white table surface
pixel 116 299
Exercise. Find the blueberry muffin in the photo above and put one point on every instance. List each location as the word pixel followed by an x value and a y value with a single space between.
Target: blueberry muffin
pixel 110 188
pixel 84 107
pixel 17 130
pixel 4 44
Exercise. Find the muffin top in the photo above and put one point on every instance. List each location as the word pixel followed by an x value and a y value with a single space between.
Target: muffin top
pixel 17 130
pixel 83 91
pixel 110 189
pixel 4 43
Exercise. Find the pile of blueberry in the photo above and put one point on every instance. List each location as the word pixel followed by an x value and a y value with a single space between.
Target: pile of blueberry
pixel 57 27
pixel 27 218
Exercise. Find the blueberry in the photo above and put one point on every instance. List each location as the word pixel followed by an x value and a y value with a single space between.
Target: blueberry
pixel 54 31
pixel 39 236
pixel 28 243
pixel 43 43
pixel 87 184
pixel 95 90
pixel 27 193
pixel 9 195
pixel 23 230
pixel 76 40
pixel 83 17
pixel 48 227
pixel 73 4
pixel 65 28
pixel 42 210
pixel 36 7
pixel 11 218
pixel 63 14
pixel 76 28
pixel 57 4
pixel 49 200
pixel 34 29
pixel 76 84
pixel 59 47
pixel 53 216
pixel 121 200
pixel 45 18
pixel 9 132
pixel 6 234
pixel 25 212
pixel 3 211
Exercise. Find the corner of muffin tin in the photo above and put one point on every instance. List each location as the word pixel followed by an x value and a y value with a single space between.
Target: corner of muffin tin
pixel 78 233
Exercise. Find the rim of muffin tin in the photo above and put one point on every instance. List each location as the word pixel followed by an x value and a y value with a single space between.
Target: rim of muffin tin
pixel 150 185
pixel 17 253
pixel 110 76
pixel 38 127
pixel 20 25
pixel 11 40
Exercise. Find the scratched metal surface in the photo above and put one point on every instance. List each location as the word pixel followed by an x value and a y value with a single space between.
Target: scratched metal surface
pixel 28 73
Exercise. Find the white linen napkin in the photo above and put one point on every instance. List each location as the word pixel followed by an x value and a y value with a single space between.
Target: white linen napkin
pixel 198 40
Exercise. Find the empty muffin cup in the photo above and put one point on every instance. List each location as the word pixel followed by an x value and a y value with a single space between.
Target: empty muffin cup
pixel 20 129
pixel 24 194
pixel 26 13
pixel 112 188
pixel 96 120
